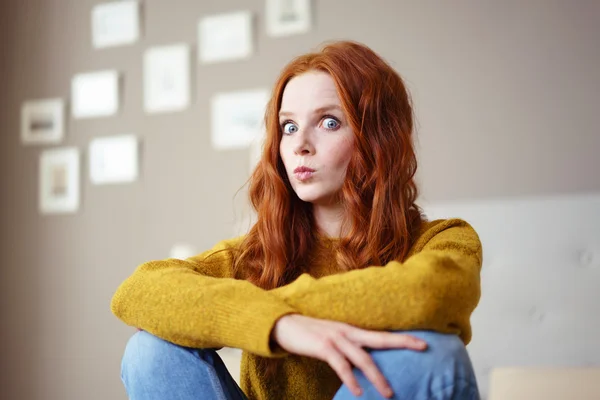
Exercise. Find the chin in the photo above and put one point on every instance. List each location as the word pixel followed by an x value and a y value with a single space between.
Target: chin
pixel 308 196
pixel 313 197
pixel 308 199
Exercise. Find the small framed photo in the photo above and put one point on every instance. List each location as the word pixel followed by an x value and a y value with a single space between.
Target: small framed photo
pixel 95 94
pixel 59 181
pixel 237 118
pixel 167 78
pixel 43 121
pixel 288 17
pixel 225 37
pixel 116 23
pixel 113 159
pixel 256 148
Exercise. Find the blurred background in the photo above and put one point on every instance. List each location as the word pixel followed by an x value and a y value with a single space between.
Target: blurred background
pixel 507 98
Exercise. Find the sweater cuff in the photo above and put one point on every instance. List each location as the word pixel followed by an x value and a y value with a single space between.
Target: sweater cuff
pixel 252 330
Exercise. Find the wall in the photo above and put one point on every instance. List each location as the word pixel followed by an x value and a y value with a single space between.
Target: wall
pixel 506 95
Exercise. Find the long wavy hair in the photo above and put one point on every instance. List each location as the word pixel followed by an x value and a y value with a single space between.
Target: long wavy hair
pixel 379 192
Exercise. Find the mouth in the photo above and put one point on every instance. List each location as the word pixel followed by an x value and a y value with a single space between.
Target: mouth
pixel 303 169
pixel 303 173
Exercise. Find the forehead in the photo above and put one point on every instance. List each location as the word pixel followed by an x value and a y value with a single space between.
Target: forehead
pixel 309 91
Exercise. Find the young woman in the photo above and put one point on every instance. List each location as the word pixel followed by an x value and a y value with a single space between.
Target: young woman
pixel 341 288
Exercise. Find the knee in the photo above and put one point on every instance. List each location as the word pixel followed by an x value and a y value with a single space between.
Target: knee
pixel 442 371
pixel 443 350
pixel 445 356
pixel 144 355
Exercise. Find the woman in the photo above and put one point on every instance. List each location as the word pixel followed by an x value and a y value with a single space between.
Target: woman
pixel 341 288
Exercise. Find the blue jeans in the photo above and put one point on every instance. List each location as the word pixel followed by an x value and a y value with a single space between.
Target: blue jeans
pixel 153 369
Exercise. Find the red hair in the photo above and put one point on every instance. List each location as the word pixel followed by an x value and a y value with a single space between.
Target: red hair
pixel 379 192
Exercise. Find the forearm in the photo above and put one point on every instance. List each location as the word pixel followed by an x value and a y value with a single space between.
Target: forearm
pixel 431 291
pixel 192 310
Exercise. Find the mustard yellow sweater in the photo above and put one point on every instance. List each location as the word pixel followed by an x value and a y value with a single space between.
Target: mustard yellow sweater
pixel 196 303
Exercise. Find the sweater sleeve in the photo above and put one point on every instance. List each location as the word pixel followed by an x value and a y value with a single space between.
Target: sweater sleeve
pixel 196 303
pixel 436 288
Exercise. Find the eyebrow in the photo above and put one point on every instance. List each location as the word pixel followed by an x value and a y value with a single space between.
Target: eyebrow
pixel 319 110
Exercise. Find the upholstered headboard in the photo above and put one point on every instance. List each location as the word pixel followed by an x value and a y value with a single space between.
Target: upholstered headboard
pixel 540 300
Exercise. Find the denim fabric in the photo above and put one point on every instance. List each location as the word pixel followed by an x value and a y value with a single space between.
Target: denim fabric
pixel 154 369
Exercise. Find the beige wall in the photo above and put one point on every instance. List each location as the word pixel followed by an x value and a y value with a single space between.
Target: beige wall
pixel 507 97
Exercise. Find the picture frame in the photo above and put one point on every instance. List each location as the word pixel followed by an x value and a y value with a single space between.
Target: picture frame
pixel 288 17
pixel 42 121
pixel 256 149
pixel 95 94
pixel 182 251
pixel 113 159
pixel 59 181
pixel 115 23
pixel 167 78
pixel 225 37
pixel 237 118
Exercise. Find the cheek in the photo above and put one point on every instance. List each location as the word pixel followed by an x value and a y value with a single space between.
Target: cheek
pixel 341 154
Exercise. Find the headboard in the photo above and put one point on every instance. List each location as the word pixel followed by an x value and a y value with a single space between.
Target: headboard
pixel 540 302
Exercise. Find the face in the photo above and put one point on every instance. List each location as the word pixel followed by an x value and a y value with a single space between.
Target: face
pixel 317 142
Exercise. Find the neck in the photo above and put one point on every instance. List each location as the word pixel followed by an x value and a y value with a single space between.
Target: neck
pixel 329 219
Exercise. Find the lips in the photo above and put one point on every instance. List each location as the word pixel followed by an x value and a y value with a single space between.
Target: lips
pixel 300 170
pixel 303 174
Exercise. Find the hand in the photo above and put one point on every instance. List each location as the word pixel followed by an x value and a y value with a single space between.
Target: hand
pixel 341 346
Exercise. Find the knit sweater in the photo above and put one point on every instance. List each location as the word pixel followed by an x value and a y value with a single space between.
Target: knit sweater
pixel 196 303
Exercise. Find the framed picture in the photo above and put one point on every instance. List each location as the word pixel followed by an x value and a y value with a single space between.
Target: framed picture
pixel 59 181
pixel 167 78
pixel 115 23
pixel 225 37
pixel 113 159
pixel 237 118
pixel 182 251
pixel 288 17
pixel 256 148
pixel 43 121
pixel 95 94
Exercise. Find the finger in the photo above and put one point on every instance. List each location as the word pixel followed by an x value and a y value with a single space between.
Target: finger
pixel 363 361
pixel 343 369
pixel 385 340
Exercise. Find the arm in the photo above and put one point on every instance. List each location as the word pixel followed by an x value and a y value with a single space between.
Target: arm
pixel 197 303
pixel 437 287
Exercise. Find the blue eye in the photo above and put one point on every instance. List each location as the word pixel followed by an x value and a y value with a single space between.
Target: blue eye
pixel 331 123
pixel 289 128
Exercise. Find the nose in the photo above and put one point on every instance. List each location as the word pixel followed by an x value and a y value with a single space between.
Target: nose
pixel 303 145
